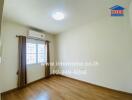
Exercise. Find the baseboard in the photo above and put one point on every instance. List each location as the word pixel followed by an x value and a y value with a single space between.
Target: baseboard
pixel 95 85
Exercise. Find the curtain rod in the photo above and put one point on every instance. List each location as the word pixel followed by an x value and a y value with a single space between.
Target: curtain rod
pixel 33 38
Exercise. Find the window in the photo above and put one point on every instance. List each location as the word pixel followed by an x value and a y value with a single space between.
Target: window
pixel 35 52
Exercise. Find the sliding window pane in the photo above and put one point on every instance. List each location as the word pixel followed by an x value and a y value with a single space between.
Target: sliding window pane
pixel 31 58
pixel 41 48
pixel 41 53
pixel 41 58
pixel 31 48
pixel 31 53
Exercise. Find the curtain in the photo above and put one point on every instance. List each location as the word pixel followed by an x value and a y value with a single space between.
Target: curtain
pixel 22 73
pixel 47 65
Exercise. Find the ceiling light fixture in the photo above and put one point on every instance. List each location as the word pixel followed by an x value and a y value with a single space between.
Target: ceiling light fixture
pixel 58 15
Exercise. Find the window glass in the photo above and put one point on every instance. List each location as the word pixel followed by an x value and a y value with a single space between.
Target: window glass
pixel 41 53
pixel 31 53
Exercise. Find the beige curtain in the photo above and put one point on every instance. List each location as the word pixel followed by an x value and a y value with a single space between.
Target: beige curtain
pixel 22 73
pixel 47 65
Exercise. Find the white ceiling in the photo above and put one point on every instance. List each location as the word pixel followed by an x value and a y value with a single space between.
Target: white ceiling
pixel 37 13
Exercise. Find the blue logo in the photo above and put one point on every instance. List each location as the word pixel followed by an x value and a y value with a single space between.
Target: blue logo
pixel 117 10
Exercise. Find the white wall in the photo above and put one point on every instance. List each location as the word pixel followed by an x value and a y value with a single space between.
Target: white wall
pixel 108 42
pixel 9 64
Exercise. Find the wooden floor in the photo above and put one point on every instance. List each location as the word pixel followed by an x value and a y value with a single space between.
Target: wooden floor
pixel 62 88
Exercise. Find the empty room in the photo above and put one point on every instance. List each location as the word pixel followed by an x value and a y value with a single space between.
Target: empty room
pixel 65 50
